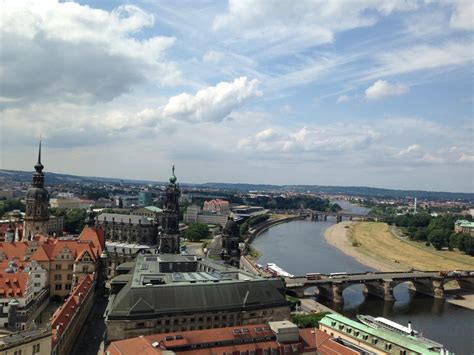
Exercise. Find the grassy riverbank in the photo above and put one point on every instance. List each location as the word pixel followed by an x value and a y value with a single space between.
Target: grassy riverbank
pixel 373 244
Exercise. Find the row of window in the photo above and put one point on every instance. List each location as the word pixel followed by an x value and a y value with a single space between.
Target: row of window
pixel 59 267
pixel 365 337
pixel 59 287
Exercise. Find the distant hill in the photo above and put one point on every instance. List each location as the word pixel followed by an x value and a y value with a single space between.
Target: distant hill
pixel 55 179
pixel 348 190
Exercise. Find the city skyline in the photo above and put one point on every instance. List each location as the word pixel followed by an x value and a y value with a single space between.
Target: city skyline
pixel 341 93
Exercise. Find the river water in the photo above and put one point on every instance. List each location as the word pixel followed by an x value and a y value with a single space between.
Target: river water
pixel 299 247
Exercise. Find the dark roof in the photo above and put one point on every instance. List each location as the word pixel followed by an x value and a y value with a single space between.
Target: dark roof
pixel 151 291
pixel 151 301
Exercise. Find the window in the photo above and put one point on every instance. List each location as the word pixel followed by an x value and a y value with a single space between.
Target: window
pixel 69 277
pixel 67 287
pixel 58 266
pixel 36 349
pixel 85 269
pixel 140 325
pixel 57 277
pixel 37 276
pixel 37 284
pixel 58 287
pixel 70 266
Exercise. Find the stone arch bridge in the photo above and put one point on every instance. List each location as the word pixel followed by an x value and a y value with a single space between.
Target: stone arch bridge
pixel 379 284
pixel 323 215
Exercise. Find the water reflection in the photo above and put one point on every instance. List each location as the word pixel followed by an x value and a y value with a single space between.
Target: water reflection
pixel 300 247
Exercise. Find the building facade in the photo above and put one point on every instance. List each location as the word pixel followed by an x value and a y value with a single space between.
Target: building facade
pixel 37 204
pixel 195 214
pixel 144 198
pixel 132 229
pixel 217 205
pixel 69 318
pixel 463 226
pixel 64 261
pixel 34 341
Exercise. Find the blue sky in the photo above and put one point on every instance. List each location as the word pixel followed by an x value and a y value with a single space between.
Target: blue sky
pixel 373 93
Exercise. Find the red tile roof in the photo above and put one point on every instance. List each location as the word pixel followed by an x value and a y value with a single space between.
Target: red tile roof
pixel 13 284
pixel 249 334
pixel 311 340
pixel 63 315
pixel 49 248
pixel 95 235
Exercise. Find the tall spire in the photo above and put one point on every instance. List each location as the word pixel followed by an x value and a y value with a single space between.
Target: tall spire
pixel 38 166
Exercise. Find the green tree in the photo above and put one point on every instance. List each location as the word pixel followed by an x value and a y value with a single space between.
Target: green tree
pixel 10 205
pixel 437 238
pixel 75 220
pixel 244 228
pixel 197 232
pixel 308 320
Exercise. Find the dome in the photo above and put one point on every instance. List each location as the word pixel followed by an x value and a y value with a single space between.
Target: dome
pixel 13 302
pixel 37 193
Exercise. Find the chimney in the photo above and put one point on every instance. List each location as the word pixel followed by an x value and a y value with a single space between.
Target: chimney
pixel 409 326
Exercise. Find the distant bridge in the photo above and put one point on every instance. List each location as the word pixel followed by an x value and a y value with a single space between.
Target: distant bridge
pixel 323 215
pixel 379 284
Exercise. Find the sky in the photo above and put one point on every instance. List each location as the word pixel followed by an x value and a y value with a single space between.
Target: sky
pixel 354 93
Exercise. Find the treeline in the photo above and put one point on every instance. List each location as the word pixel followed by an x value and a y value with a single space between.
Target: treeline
pixel 74 219
pixel 295 202
pixel 10 205
pixel 244 227
pixel 437 231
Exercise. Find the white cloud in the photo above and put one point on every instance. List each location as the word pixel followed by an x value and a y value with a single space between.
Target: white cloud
pixel 343 98
pixel 76 53
pixel 213 103
pixel 292 26
pixel 382 89
pixel 423 57
pixel 463 15
pixel 328 140
pixel 466 157
pixel 213 57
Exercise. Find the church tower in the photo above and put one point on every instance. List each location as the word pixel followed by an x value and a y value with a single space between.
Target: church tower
pixel 230 243
pixel 169 237
pixel 37 203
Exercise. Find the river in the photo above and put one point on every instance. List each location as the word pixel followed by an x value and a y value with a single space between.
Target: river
pixel 299 247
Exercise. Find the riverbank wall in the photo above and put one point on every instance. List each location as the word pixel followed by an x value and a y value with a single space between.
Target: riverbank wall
pixel 259 229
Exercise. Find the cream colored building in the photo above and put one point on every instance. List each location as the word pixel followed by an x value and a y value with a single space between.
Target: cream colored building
pixel 28 342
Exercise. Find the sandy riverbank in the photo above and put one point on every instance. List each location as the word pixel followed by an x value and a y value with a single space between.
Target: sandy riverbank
pixel 337 235
pixel 374 245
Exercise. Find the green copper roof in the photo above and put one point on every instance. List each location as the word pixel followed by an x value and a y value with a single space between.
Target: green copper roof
pixel 464 223
pixel 154 209
pixel 173 177
pixel 411 343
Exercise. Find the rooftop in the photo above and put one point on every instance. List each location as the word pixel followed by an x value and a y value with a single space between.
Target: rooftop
pixel 213 341
pixel 172 283
pixel 416 344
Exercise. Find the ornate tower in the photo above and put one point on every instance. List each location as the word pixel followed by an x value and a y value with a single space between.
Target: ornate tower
pixel 230 243
pixel 37 203
pixel 169 237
